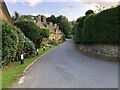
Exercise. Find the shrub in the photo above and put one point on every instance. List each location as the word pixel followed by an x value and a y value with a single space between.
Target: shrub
pixel 10 41
pixel 29 48
pixel 0 44
pixel 13 41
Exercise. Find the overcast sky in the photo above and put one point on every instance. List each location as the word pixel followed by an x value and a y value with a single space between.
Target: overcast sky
pixel 72 9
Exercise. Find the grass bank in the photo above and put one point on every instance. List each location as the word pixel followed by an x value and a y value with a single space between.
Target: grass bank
pixel 13 71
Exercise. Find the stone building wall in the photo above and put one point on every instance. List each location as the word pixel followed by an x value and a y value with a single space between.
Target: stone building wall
pixel 55 33
pixel 40 23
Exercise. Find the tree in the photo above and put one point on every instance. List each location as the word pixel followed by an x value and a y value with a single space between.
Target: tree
pixel 31 31
pixel 72 27
pixel 52 19
pixel 62 21
pixel 45 33
pixel 89 12
pixel 16 16
pixel 65 26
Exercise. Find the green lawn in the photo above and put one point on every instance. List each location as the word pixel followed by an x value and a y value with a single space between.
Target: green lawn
pixel 13 71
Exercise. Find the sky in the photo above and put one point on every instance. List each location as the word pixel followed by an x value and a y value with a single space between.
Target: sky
pixel 72 9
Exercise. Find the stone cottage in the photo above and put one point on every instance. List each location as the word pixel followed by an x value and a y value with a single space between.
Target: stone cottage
pixel 55 33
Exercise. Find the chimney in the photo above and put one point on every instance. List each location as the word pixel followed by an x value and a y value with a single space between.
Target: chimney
pixel 39 18
pixel 43 19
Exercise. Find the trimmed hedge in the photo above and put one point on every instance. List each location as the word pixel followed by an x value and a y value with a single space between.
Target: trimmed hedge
pixel 78 29
pixel 102 27
pixel 89 30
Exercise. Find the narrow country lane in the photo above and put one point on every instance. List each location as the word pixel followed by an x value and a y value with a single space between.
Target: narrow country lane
pixel 64 67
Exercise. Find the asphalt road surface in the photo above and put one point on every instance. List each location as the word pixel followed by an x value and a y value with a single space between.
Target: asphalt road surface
pixel 64 67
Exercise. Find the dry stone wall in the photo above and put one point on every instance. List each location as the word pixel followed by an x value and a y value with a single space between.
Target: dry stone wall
pixel 102 50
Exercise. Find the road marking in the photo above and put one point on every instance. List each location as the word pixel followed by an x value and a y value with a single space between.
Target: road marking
pixel 21 80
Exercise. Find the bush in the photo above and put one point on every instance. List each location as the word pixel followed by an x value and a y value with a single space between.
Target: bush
pixel 10 41
pixel 13 41
pixel 29 48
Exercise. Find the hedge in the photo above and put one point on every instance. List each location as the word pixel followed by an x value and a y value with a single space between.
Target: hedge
pixel 89 30
pixel 102 27
pixel 78 29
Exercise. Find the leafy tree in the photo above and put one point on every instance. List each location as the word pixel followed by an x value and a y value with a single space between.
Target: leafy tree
pixel 45 33
pixel 65 25
pixel 62 21
pixel 31 31
pixel 52 19
pixel 72 27
pixel 59 19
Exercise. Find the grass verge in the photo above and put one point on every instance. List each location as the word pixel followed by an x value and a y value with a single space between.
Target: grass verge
pixel 13 71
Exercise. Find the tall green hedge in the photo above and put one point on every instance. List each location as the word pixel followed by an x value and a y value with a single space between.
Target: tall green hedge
pixel 89 30
pixel 78 29
pixel 102 27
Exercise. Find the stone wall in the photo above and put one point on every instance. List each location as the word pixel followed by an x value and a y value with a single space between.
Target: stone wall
pixel 101 49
